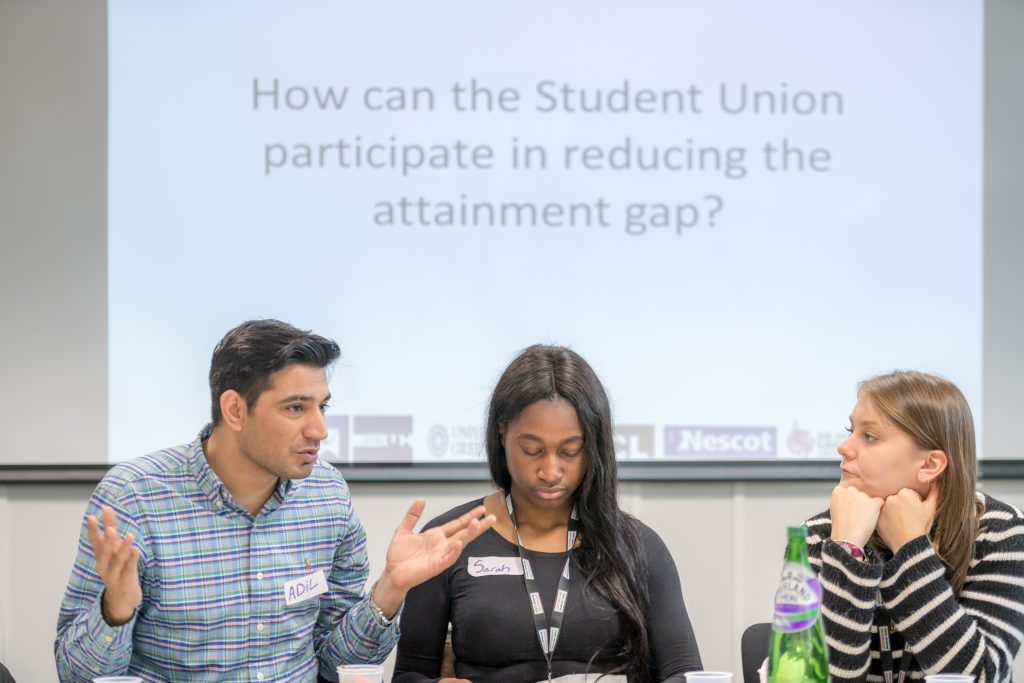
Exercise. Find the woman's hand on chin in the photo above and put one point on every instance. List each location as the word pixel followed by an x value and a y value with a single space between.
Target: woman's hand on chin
pixel 854 515
pixel 905 516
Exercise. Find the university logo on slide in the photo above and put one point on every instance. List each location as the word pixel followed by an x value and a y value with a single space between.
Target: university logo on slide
pixel 382 438
pixel 456 441
pixel 437 441
pixel 634 442
pixel 720 442
pixel 800 441
pixel 335 447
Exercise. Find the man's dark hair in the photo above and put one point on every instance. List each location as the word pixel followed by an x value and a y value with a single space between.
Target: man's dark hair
pixel 248 355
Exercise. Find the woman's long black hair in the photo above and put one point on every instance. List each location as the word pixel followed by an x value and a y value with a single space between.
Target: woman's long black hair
pixel 611 551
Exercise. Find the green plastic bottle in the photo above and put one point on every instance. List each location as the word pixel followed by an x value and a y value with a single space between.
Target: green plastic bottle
pixel 799 653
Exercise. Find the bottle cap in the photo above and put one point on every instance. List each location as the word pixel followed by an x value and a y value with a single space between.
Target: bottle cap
pixel 797 531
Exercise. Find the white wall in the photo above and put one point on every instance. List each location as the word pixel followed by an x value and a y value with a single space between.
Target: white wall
pixel 727 540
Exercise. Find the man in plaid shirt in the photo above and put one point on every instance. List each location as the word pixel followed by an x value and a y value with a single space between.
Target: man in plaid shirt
pixel 238 556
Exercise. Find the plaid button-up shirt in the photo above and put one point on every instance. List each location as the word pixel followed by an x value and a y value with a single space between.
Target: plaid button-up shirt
pixel 212 576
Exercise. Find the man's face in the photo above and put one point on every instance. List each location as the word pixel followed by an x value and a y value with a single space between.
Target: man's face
pixel 282 432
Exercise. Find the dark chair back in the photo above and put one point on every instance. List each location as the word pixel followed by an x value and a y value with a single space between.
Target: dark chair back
pixel 753 649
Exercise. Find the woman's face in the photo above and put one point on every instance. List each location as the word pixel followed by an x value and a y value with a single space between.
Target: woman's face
pixel 544 451
pixel 879 458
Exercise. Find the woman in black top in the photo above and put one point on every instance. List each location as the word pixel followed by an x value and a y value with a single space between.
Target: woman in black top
pixel 611 604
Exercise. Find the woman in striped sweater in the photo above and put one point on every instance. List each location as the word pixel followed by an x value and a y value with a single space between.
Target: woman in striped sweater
pixel 920 573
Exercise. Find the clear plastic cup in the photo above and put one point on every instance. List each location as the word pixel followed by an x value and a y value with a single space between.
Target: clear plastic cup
pixel 360 673
pixel 708 677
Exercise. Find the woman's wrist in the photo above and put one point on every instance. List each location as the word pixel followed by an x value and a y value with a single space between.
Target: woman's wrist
pixel 855 550
pixel 857 534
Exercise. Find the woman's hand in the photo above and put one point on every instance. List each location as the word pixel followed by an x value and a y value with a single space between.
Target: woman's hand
pixel 454 680
pixel 905 516
pixel 854 515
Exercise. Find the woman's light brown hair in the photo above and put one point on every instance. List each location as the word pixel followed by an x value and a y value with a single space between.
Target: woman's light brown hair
pixel 935 414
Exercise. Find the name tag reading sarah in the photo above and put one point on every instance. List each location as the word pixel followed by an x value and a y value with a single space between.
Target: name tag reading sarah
pixel 495 566
pixel 307 587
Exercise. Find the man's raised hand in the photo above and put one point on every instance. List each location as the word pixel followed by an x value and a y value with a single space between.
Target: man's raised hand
pixel 117 560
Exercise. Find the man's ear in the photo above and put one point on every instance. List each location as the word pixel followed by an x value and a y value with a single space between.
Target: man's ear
pixel 935 463
pixel 233 410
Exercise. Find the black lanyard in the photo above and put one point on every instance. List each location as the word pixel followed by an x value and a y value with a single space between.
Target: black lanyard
pixel 885 650
pixel 540 620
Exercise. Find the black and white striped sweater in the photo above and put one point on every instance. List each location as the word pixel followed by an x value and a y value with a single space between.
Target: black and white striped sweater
pixel 978 631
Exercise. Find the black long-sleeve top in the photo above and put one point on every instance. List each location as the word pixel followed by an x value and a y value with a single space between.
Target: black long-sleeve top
pixel 493 633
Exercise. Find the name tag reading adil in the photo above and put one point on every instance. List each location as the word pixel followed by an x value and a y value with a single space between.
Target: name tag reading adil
pixel 495 566
pixel 307 587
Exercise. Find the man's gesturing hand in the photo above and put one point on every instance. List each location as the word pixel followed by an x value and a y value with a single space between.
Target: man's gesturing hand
pixel 117 564
pixel 415 557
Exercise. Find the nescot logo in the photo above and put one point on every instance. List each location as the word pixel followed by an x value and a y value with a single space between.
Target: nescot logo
pixel 718 442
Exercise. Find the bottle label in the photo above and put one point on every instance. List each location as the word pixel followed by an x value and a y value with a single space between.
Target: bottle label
pixel 798 600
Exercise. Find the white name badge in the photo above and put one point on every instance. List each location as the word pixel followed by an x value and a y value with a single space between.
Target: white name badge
pixel 495 566
pixel 307 587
